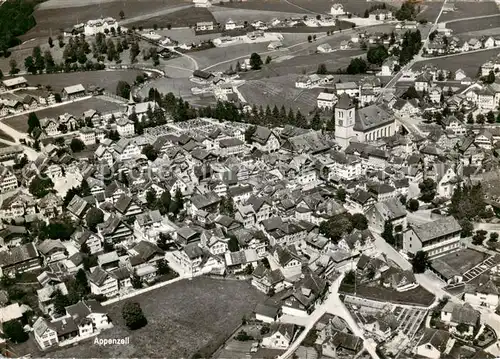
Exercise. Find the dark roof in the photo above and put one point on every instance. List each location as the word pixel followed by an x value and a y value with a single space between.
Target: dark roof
pixel 18 254
pixel 202 74
pixel 345 102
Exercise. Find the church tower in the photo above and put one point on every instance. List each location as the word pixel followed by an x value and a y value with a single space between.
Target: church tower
pixel 345 114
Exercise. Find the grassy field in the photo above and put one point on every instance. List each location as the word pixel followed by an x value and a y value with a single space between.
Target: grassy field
pixel 75 108
pixel 279 91
pixel 5 137
pixel 105 79
pixel 181 18
pixel 466 26
pixel 61 14
pixel 470 9
pixel 430 10
pixel 468 62
pixel 183 318
pixel 215 55
pixel 222 14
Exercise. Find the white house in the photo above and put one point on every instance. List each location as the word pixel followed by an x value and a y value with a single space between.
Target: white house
pixel 324 48
pixel 202 3
pixel 125 127
pixel 484 294
pixel 434 343
pixel 326 100
pixel 337 9
pixel 44 333
pixel 280 336
pixel 204 26
pixel 93 27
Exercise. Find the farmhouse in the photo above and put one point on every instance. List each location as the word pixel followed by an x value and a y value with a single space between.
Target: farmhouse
pixel 15 83
pixel 337 9
pixel 93 27
pixel 324 48
pixel 363 125
pixel 73 92
pixel 204 26
pixel 202 3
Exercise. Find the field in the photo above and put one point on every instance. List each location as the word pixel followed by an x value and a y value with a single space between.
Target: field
pixel 302 6
pixel 466 26
pixel 430 11
pixel 222 14
pixel 466 9
pixel 215 55
pixel 60 14
pixel 105 79
pixel 279 91
pixel 468 62
pixel 6 137
pixel 75 108
pixel 180 18
pixel 184 318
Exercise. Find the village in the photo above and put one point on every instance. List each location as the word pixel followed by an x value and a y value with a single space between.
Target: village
pixel 253 182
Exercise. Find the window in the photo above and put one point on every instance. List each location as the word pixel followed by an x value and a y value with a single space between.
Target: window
pixel 341 123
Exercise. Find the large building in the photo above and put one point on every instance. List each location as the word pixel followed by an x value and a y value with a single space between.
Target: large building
pixel 435 238
pixel 361 125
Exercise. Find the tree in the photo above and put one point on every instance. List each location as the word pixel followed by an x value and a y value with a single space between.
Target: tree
pixel 60 303
pixel 336 226
pixel 467 228
pixel 359 221
pixel 51 42
pixel 322 70
pixel 377 55
pixel 133 315
pixel 490 78
pixel 413 205
pixel 94 217
pixel 427 189
pixel 151 198
pixel 121 14
pixel 480 119
pixel 227 206
pixel 40 186
pixel 233 244
pixel 490 117
pixel 388 233
pixel 357 66
pixel 268 60
pixel 33 122
pixel 77 145
pixel 420 262
pixel 350 277
pixel 81 283
pixel 150 152
pixel 29 65
pixel 13 330
pixel 136 281
pixel 255 61
pixel 13 67
pixel 493 237
pixel 341 194
pixel 462 328
pixel 249 132
pixel 164 202
pixel 163 267
pixel 123 89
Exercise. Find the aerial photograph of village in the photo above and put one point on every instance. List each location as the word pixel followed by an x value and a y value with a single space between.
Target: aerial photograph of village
pixel 250 179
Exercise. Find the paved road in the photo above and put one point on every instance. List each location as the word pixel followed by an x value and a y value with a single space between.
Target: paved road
pixel 332 305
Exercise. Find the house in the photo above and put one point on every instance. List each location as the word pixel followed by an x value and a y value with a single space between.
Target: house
pixel 52 250
pixel 302 298
pixel 280 336
pixel 324 48
pixel 103 25
pixel 204 26
pixel 485 293
pixel 266 312
pixel 405 108
pixel 326 101
pixel 14 83
pixel 8 180
pixel 102 283
pixel 382 325
pixel 391 211
pixel 398 279
pixel 465 316
pixel 73 92
pixel 434 343
pixel 84 237
pixel 20 259
pixel 45 334
pixel 288 261
pixel 381 15
pixel 435 238
pixel 388 66
pixel 337 9
pixel 125 127
pixel 267 280
pixel 202 3
pixel 341 345
pixel 46 297
pixel 264 140
pixel 89 316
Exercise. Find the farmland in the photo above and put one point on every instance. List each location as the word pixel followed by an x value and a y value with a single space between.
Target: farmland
pixel 467 9
pixel 469 62
pixel 181 18
pixel 184 318
pixel 105 79
pixel 60 14
pixel 74 108
pixel 279 91
pixel 466 26
pixel 430 11
pixel 222 14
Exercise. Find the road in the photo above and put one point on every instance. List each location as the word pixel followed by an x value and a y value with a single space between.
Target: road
pixel 470 18
pixel 332 305
pixel 133 19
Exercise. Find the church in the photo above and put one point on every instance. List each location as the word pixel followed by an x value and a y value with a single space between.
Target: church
pixel 361 125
